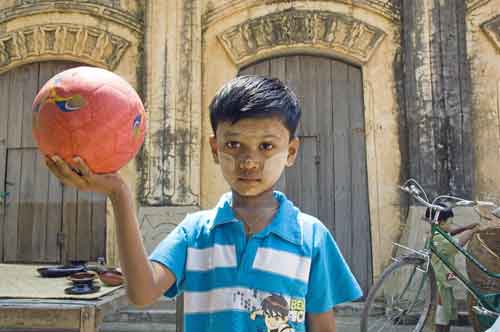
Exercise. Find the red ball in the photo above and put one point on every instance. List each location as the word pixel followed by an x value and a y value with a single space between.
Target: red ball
pixel 91 113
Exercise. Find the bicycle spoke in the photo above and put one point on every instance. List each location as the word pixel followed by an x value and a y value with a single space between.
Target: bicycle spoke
pixel 382 328
pixel 400 300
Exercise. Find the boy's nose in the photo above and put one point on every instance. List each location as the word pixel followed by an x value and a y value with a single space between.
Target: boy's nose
pixel 248 163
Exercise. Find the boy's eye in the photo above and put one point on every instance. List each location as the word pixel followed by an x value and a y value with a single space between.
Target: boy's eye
pixel 266 146
pixel 232 145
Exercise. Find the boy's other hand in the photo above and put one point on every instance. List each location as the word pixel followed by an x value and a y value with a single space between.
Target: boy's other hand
pixel 80 176
pixel 483 228
pixel 474 225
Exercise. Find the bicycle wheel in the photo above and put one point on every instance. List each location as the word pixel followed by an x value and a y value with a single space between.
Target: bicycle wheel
pixel 471 301
pixel 402 299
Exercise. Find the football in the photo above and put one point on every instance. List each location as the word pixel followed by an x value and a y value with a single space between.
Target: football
pixel 91 113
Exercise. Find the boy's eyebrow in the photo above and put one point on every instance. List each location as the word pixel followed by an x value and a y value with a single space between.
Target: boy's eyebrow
pixel 237 134
pixel 231 134
pixel 271 136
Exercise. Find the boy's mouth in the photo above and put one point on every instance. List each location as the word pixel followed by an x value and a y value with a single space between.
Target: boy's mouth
pixel 249 179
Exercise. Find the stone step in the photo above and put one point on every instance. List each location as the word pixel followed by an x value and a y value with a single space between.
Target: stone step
pixel 152 316
pixel 354 309
pixel 161 312
pixel 136 327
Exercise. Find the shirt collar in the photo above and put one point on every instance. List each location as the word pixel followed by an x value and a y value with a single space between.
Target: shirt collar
pixel 285 223
pixel 223 211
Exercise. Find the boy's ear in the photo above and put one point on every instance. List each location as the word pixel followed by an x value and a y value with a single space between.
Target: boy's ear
pixel 213 146
pixel 293 150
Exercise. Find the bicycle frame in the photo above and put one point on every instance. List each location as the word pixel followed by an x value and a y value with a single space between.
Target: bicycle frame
pixel 483 299
pixel 488 308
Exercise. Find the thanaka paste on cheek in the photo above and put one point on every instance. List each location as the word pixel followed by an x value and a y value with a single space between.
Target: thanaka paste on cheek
pixel 271 167
pixel 274 166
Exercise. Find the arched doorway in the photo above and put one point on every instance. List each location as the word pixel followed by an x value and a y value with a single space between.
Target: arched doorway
pixel 329 178
pixel 40 220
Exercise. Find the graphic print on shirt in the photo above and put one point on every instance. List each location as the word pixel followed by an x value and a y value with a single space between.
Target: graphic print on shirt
pixel 277 312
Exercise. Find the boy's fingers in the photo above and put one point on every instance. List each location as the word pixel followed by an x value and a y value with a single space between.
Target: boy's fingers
pixel 63 167
pixel 82 167
pixel 67 175
pixel 55 170
pixel 53 167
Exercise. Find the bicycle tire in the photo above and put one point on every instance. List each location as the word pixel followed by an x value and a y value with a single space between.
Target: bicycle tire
pixel 471 301
pixel 411 262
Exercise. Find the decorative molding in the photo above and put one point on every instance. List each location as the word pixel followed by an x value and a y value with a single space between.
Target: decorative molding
pixel 389 9
pixel 89 7
pixel 335 32
pixel 82 43
pixel 155 223
pixel 492 30
pixel 474 4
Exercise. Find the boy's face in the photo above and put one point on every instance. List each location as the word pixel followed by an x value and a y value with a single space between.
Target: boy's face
pixel 446 225
pixel 253 153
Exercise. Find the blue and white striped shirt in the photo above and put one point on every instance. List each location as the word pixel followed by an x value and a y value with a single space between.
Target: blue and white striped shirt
pixel 265 283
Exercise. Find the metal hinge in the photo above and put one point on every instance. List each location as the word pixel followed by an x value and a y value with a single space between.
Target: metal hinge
pixel 316 159
pixel 60 239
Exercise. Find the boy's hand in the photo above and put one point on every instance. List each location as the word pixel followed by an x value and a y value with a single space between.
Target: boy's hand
pixel 486 228
pixel 80 176
pixel 474 226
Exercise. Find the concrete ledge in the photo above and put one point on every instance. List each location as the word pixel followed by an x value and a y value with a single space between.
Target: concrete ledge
pixel 136 327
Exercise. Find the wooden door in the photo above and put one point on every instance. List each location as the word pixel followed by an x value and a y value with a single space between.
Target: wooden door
pixel 40 220
pixel 329 178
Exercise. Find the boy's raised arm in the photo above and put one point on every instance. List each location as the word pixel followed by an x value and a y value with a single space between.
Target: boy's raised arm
pixel 145 280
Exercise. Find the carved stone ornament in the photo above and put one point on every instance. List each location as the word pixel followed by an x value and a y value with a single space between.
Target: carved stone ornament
pixel 492 29
pixel 96 8
pixel 389 9
pixel 81 43
pixel 288 29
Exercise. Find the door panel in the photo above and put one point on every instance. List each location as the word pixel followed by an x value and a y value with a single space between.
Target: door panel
pixel 10 225
pixel 42 221
pixel 302 179
pixel 4 100
pixel 359 187
pixel 329 178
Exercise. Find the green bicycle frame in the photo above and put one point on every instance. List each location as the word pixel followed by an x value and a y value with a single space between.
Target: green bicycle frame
pixel 484 299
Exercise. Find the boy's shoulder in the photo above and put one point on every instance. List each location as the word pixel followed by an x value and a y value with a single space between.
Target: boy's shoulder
pixel 198 219
pixel 309 219
pixel 312 227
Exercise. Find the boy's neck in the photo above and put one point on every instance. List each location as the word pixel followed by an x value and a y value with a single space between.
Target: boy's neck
pixel 263 200
pixel 255 211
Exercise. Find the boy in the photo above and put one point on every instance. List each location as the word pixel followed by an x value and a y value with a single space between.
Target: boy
pixel 446 309
pixel 254 244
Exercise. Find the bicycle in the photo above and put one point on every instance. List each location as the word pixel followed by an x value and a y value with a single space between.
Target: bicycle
pixel 406 292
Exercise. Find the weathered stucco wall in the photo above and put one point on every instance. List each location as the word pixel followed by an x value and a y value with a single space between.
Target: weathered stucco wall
pixel 483 50
pixel 223 55
pixel 177 53
pixel 172 83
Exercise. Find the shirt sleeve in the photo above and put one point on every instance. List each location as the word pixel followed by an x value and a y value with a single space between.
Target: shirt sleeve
pixel 330 281
pixel 171 252
pixel 443 246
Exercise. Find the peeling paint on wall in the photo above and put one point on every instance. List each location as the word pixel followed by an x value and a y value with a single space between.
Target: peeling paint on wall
pixel 498 110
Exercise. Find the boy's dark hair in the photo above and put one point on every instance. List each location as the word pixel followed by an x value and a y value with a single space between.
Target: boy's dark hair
pixel 252 96
pixel 442 216
pixel 275 305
